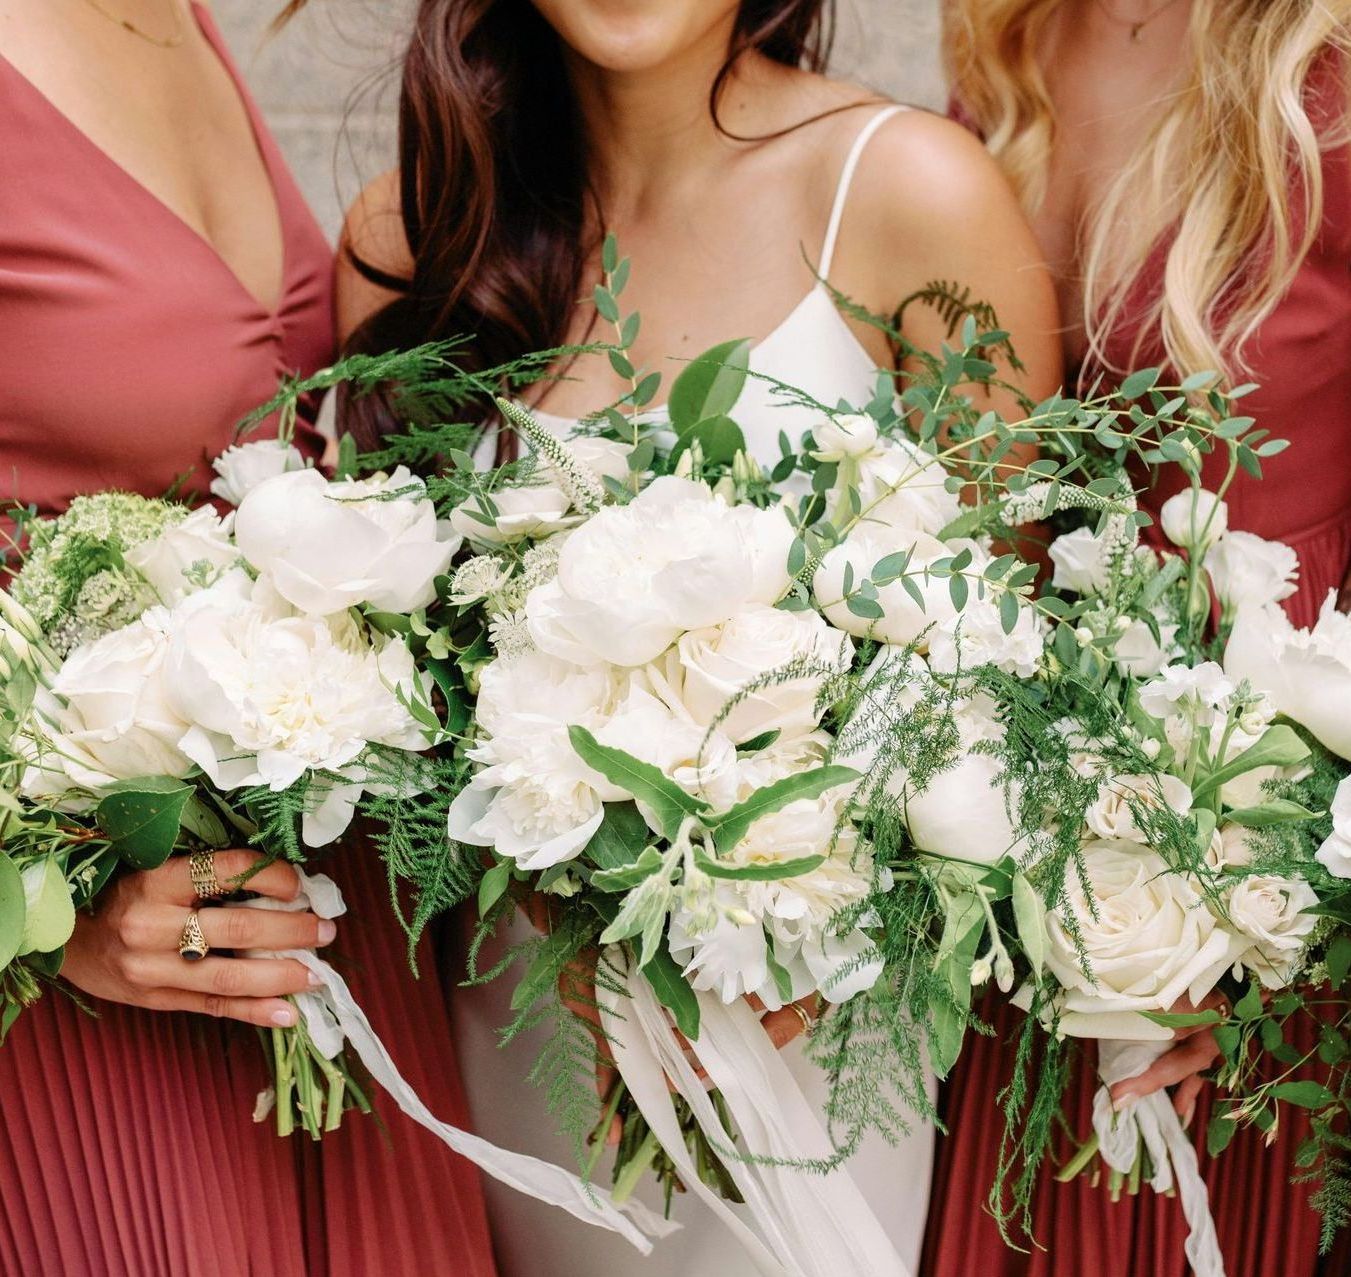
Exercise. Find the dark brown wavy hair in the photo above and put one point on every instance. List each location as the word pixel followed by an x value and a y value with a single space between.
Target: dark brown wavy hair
pixel 494 178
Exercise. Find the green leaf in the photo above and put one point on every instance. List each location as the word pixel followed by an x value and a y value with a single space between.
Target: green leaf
pixel 202 822
pixel 492 886
pixel 757 743
pixel 142 818
pixel 1219 1134
pixel 627 876
pixel 51 912
pixel 619 841
pixel 1008 611
pixel 346 466
pixel 606 305
pixel 1182 1019
pixel 670 804
pixel 1305 1095
pixel 732 825
pixel 12 910
pixel 1276 811
pixel 783 980
pixel 1138 382
pixel 1279 746
pixel 719 437
pixel 709 385
pixel 771 871
pixel 1249 1006
pixel 609 253
pixel 1029 916
pixel 673 991
pixel 1339 959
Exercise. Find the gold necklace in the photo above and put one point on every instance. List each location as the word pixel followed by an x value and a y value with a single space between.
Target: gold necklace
pixel 160 42
pixel 1137 25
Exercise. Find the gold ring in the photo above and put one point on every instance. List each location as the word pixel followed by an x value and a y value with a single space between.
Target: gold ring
pixel 202 871
pixel 192 945
pixel 808 1020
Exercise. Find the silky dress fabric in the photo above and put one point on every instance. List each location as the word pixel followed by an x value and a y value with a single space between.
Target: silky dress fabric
pixel 1301 358
pixel 127 1147
pixel 813 349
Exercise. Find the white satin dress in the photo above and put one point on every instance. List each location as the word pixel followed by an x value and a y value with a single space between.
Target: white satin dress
pixel 815 350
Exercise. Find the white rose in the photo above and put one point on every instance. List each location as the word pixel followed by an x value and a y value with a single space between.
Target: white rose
pixel 1335 853
pixel 633 578
pixel 1080 560
pixel 1231 847
pixel 330 546
pixel 1306 673
pixel 187 555
pixel 718 662
pixel 963 812
pixel 902 486
pixel 903 620
pixel 1248 571
pixel 1138 653
pixel 848 435
pixel 1113 813
pixel 976 637
pixel 533 510
pixel 1145 932
pixel 1194 519
pixel 1269 911
pixel 242 468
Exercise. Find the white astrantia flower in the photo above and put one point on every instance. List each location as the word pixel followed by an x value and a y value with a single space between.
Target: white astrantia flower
pixel 243 467
pixel 327 546
pixel 186 555
pixel 1248 571
pixel 633 578
pixel 1114 813
pixel 478 578
pixel 1270 912
pixel 1335 853
pixel 847 435
pixel 975 636
pixel 1081 562
pixel 1194 519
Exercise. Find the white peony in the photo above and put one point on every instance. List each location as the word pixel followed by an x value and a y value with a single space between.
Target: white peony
pixel 902 486
pixel 633 578
pixel 1194 519
pixel 1080 560
pixel 1306 673
pixel 1269 911
pixel 186 555
pixel 1113 813
pixel 851 435
pixel 330 546
pixel 1335 853
pixel 976 637
pixel 242 468
pixel 1247 571
pixel 522 510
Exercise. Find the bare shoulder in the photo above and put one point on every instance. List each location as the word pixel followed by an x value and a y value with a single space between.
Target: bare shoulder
pixel 373 243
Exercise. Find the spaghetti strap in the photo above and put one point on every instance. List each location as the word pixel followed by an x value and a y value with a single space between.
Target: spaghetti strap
pixel 846 179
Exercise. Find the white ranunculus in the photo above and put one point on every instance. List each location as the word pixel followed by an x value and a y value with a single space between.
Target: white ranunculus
pixel 1138 653
pixel 187 555
pixel 1247 571
pixel 242 468
pixel 850 435
pixel 633 578
pixel 904 487
pixel 1112 813
pixel 1080 559
pixel 117 718
pixel 327 546
pixel 1306 673
pixel 718 662
pixel 1269 911
pixel 902 621
pixel 1194 519
pixel 1335 853
pixel 976 637
pixel 522 510
pixel 1145 932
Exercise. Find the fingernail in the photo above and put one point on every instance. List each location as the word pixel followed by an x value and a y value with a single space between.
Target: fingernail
pixel 327 930
pixel 284 1018
pixel 1188 1115
pixel 313 979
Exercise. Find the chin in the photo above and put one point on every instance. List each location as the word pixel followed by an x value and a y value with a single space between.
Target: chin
pixel 635 35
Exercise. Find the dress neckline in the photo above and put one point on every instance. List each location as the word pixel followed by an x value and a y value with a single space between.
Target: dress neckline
pixel 207 28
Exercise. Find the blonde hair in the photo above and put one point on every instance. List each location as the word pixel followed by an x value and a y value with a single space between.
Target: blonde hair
pixel 1228 179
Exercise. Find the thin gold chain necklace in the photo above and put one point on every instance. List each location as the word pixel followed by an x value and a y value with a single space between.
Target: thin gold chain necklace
pixel 1137 25
pixel 160 42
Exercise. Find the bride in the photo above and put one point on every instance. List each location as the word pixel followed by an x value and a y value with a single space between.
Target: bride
pixel 736 177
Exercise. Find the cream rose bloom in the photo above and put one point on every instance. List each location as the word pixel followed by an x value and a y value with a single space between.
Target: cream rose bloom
pixel 849 435
pixel 1247 571
pixel 243 467
pixel 1194 519
pixel 187 555
pixel 1112 814
pixel 1269 911
pixel 327 546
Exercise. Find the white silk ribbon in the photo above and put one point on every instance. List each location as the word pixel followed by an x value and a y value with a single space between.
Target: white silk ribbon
pixel 1154 1120
pixel 795 1221
pixel 332 1016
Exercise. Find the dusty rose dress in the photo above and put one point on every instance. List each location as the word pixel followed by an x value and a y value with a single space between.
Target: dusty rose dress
pixel 1302 360
pixel 126 1145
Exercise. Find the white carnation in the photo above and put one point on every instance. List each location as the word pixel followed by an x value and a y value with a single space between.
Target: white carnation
pixel 243 467
pixel 1081 562
pixel 1270 911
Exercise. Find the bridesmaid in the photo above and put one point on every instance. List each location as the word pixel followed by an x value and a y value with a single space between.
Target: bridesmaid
pixel 158 273
pixel 702 132
pixel 1186 168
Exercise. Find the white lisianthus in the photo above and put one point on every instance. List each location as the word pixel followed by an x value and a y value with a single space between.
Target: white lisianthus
pixel 1194 519
pixel 1199 693
pixel 1113 813
pixel 1146 936
pixel 976 637
pixel 1270 911
pixel 243 467
pixel 851 435
pixel 902 486
pixel 1335 853
pixel 1248 571
pixel 903 621
pixel 1080 559
pixel 1138 653
pixel 633 578
pixel 521 510
pixel 1306 673
pixel 718 662
pixel 330 546
pixel 186 555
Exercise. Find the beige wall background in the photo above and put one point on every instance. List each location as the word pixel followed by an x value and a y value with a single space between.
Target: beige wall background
pixel 328 84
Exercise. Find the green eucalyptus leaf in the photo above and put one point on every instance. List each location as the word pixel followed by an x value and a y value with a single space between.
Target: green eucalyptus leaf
pixel 50 912
pixel 1305 1094
pixel 12 910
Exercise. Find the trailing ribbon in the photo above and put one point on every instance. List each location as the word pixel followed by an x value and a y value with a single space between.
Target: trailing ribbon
pixel 332 1016
pixel 794 1221
pixel 1154 1120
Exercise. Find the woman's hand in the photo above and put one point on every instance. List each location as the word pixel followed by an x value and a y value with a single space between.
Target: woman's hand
pixel 128 951
pixel 1181 1066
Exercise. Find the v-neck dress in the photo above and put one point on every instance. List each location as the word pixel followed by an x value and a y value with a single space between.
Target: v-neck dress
pixel 127 1149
